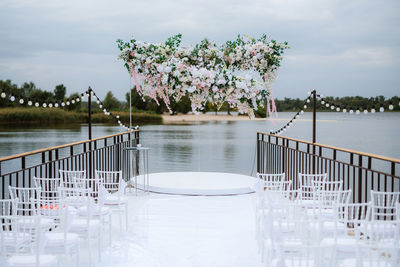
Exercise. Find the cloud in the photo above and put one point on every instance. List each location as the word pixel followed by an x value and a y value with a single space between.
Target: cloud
pixel 73 42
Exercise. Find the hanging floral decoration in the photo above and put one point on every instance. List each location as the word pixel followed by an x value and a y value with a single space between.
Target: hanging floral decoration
pixel 205 72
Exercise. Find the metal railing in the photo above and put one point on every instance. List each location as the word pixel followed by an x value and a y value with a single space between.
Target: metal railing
pixel 103 153
pixel 360 172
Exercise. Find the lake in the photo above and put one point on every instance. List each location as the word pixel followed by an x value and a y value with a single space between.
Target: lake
pixel 221 146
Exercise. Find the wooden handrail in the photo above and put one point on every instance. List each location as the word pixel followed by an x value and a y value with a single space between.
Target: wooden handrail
pixel 61 146
pixel 336 148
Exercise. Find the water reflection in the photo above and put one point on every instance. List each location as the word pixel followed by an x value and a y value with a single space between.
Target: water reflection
pixel 219 146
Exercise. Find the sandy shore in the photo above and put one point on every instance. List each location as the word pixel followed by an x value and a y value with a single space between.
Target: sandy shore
pixel 190 118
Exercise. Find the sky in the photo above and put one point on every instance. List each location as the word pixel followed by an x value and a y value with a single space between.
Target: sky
pixel 338 47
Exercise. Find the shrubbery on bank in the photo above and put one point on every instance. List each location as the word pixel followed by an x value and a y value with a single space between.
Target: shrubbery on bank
pixel 59 116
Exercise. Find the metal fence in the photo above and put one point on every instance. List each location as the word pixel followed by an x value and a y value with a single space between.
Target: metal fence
pixel 360 172
pixel 103 153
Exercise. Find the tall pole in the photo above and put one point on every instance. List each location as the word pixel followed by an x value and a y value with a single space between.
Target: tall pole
pixel 314 115
pixel 90 112
pixel 130 108
pixel 314 93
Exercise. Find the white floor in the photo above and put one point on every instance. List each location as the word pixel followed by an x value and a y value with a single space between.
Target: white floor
pixel 186 231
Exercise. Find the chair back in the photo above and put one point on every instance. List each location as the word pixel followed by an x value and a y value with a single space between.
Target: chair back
pixel 24 196
pixel 306 184
pixel 383 205
pixel 112 181
pixel 48 187
pixel 72 178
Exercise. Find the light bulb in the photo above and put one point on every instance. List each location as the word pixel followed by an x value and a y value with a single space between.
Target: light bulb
pixel 117 117
pixel 98 102
pixel 357 111
pixel 12 98
pixel 332 107
pixel 365 111
pixel 78 99
pixel 44 105
pixel 36 104
pixel 337 109
pixel 3 95
pixel 73 101
pixel 322 102
pixel 29 103
pixel 62 104
pixel 21 101
pixel 100 106
pixel 391 107
pixel 327 105
pixel 381 109
pixel 68 103
pixel 305 106
pixel 119 122
pixel 344 110
pixel 351 111
pixel 308 100
pixel 50 105
pixel 301 111
pixel 373 110
pixel 321 95
pixel 56 105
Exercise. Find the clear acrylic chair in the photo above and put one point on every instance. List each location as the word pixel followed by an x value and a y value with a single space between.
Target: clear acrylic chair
pixel 380 245
pixel 112 186
pixel 26 243
pixel 24 196
pixel 99 210
pixel 86 227
pixel 59 240
pixel 289 241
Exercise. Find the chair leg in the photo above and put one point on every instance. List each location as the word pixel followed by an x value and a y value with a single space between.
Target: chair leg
pixel 109 228
pixel 126 216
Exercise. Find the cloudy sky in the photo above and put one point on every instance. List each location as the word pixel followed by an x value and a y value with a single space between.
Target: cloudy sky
pixel 338 47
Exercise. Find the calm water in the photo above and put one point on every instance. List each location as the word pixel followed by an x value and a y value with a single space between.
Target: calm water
pixel 221 146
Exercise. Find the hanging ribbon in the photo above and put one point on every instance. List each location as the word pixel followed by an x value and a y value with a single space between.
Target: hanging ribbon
pixel 135 78
pixel 271 108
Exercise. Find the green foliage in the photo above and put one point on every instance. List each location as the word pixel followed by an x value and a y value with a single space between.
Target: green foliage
pixel 59 92
pixel 111 102
pixel 58 116
pixel 39 115
pixel 348 102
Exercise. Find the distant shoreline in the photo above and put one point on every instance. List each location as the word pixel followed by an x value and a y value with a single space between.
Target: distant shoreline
pixel 190 118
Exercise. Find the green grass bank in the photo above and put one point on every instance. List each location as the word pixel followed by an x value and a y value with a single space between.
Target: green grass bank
pixel 59 116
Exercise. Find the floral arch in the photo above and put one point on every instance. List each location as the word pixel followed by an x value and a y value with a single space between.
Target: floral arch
pixel 205 72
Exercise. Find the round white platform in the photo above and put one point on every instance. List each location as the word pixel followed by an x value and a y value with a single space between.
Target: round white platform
pixel 200 183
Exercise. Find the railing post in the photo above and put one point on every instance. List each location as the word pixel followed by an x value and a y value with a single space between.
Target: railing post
pixel 90 112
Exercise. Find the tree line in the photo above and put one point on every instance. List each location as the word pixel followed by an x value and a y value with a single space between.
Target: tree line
pixel 28 90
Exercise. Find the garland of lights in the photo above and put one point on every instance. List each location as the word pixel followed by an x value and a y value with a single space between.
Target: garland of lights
pixel 330 105
pixel 67 102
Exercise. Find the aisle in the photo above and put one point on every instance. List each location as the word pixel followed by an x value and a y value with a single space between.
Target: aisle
pixel 185 231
